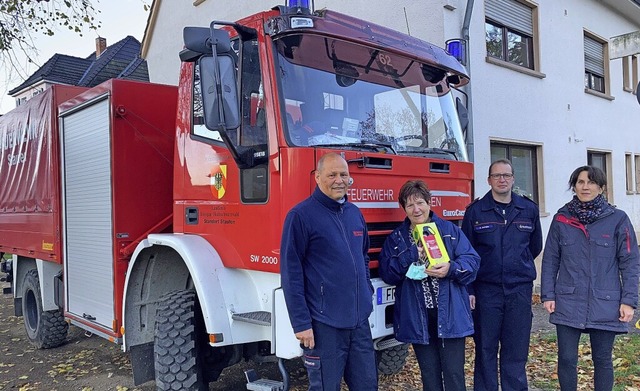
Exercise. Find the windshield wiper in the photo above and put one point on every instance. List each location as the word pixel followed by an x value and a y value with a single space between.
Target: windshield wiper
pixel 436 151
pixel 376 147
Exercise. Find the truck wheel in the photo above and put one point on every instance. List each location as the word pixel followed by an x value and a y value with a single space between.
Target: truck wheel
pixel 179 341
pixel 45 329
pixel 391 360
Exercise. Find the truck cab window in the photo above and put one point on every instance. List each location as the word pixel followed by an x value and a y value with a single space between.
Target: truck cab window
pixel 254 122
pixel 253 129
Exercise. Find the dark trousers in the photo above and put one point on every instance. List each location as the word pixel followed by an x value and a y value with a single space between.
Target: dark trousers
pixel 441 362
pixel 502 322
pixel 338 353
pixel 601 353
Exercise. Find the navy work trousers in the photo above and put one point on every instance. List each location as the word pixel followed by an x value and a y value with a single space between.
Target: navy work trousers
pixel 441 362
pixel 502 321
pixel 338 353
pixel 601 351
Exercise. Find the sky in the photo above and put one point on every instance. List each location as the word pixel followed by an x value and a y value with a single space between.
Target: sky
pixel 119 18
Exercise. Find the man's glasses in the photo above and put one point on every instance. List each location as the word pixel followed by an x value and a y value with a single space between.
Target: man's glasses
pixel 501 176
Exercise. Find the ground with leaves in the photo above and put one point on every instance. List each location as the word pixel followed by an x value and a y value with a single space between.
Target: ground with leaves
pixel 90 363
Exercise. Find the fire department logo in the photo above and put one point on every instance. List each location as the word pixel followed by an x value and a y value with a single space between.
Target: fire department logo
pixel 218 180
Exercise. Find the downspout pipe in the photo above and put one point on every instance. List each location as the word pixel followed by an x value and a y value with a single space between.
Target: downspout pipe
pixel 468 88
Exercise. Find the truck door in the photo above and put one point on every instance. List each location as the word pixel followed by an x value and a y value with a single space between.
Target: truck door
pixel 87 202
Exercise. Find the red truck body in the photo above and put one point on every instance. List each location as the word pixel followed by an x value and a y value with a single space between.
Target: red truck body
pixel 118 192
pixel 29 167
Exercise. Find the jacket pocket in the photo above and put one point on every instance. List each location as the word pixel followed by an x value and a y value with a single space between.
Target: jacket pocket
pixel 605 305
pixel 566 302
pixel 314 371
pixel 605 248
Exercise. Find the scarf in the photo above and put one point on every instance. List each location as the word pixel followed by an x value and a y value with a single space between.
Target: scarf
pixel 587 212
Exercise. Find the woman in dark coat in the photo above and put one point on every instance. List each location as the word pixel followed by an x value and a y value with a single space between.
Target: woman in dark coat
pixel 590 272
pixel 432 309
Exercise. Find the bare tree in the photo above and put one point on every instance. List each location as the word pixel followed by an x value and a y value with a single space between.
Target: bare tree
pixel 21 19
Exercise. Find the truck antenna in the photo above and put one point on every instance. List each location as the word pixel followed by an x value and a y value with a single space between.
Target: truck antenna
pixel 406 20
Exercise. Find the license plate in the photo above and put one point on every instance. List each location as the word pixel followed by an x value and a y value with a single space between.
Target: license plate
pixel 386 294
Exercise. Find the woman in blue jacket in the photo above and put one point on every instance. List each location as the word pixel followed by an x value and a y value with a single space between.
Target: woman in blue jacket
pixel 432 309
pixel 589 277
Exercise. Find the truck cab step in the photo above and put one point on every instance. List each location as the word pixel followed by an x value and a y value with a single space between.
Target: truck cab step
pixel 253 383
pixel 262 318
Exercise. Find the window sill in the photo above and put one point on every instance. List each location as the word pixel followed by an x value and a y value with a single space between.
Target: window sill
pixel 627 89
pixel 515 67
pixel 598 94
pixel 198 2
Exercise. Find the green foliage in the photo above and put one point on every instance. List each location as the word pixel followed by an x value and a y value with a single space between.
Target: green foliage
pixel 21 18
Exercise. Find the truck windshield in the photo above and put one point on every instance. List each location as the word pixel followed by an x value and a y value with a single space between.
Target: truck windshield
pixel 337 93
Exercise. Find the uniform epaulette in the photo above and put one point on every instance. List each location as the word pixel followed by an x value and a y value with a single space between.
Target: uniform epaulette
pixel 527 198
pixel 472 202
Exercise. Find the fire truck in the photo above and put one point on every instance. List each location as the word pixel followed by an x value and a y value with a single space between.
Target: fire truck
pixel 151 215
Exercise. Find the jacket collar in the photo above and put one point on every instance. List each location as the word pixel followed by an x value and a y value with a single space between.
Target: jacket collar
pixel 488 203
pixel 606 211
pixel 406 224
pixel 327 201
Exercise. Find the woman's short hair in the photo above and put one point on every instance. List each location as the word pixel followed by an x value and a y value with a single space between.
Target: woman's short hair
pixel 417 189
pixel 594 173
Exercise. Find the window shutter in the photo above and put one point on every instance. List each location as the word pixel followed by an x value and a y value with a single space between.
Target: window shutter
pixel 511 14
pixel 593 56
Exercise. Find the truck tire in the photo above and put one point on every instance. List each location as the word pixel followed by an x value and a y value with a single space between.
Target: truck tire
pixel 391 360
pixel 179 341
pixel 45 329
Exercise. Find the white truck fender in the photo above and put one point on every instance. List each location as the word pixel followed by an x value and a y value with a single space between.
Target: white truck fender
pixel 204 276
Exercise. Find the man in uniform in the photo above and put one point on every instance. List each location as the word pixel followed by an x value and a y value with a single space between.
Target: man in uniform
pixel 504 228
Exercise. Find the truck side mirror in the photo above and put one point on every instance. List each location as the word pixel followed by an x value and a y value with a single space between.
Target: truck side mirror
pixel 219 92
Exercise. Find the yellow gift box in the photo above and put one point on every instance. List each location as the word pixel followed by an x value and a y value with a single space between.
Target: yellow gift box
pixel 431 240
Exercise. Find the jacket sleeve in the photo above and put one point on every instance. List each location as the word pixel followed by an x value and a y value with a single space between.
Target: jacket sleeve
pixel 395 258
pixel 550 264
pixel 465 261
pixel 467 226
pixel 628 259
pixel 292 250
pixel 467 230
pixel 365 253
pixel 535 243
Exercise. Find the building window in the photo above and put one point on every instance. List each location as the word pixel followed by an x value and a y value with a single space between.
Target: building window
pixel 595 63
pixel 509 32
pixel 602 161
pixel 628 162
pixel 525 166
pixel 630 73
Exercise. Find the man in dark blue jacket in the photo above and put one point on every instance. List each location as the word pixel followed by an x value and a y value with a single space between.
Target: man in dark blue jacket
pixel 325 279
pixel 504 228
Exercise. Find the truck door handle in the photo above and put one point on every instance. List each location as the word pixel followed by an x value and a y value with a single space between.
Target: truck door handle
pixel 191 214
pixel 88 317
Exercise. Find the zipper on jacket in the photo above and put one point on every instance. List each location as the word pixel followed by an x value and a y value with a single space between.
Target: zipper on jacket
pixel 353 261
